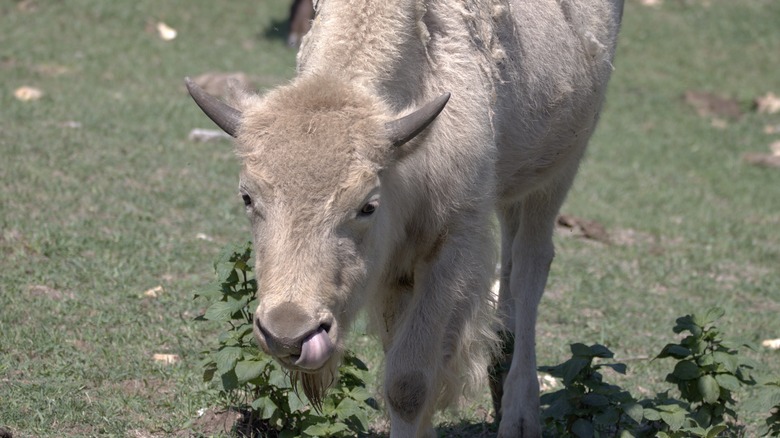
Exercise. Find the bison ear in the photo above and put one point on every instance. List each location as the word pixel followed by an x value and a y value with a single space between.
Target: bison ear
pixel 224 115
pixel 406 128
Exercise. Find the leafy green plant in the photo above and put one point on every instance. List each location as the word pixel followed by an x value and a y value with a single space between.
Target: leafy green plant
pixel 241 370
pixel 708 370
pixel 587 406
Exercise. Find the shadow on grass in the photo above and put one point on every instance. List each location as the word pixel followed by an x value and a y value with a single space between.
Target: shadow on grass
pixel 244 425
pixel 463 429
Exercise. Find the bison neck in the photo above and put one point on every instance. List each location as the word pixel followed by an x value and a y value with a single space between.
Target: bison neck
pixel 379 44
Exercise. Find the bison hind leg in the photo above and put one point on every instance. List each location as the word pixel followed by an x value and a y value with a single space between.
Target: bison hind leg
pixel 498 370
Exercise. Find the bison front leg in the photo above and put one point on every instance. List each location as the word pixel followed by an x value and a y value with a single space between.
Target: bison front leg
pixel 451 290
pixel 527 230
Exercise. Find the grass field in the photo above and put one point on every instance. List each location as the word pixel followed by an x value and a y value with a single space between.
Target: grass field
pixel 103 197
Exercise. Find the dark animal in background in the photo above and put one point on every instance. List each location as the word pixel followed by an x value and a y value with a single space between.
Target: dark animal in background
pixel 301 14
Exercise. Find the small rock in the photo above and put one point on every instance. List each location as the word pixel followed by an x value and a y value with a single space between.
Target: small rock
pixel 775 148
pixel 26 94
pixel 767 104
pixel 153 292
pixel 72 124
pixel 165 32
pixel 772 344
pixel 167 359
pixel 203 236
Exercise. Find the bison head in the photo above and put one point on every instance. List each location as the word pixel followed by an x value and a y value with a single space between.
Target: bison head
pixel 313 154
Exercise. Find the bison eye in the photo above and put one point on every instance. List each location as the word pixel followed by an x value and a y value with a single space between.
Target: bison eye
pixel 368 209
pixel 247 199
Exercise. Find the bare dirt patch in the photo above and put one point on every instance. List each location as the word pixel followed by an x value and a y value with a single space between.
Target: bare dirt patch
pixel 762 160
pixel 41 290
pixel 712 105
pixel 568 225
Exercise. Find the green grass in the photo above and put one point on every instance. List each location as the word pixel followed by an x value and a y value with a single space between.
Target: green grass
pixel 92 216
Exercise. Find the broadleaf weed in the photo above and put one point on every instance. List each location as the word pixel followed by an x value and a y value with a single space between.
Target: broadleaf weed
pixel 255 382
pixel 707 372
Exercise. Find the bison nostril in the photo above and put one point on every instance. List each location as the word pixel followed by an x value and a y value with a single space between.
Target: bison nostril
pixel 295 335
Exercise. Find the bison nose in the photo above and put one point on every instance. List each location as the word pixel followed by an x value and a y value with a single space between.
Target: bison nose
pixel 294 337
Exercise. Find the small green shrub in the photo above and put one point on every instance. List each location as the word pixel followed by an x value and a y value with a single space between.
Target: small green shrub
pixel 241 371
pixel 587 406
pixel 707 372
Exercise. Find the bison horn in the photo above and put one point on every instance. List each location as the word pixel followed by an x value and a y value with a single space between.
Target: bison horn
pixel 225 116
pixel 406 128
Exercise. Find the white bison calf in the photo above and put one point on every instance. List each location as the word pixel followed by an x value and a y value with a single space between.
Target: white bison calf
pixel 364 191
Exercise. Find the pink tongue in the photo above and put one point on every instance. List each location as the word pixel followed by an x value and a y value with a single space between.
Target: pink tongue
pixel 315 351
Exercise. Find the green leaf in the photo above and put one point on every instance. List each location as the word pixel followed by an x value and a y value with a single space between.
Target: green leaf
pixel 211 291
pixel 578 349
pixel 247 370
pixel 703 416
pixel 674 350
pixel 560 408
pixel 595 400
pixel 686 370
pixel 651 414
pixel 634 411
pixel 226 273
pixel 686 322
pixel 335 428
pixel 346 408
pixel 265 407
pixel 360 421
pixel 609 416
pixel 728 360
pixel 229 381
pixel 617 367
pixel 582 428
pixel 675 420
pixel 221 311
pixel 712 315
pixel 295 402
pixel 728 381
pixel 318 428
pixel 352 360
pixel 598 350
pixel 208 373
pixel 359 393
pixel 572 368
pixel 708 388
pixel 697 345
pixel 715 430
pixel 706 360
pixel 278 378
pixel 226 358
pixel 693 431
